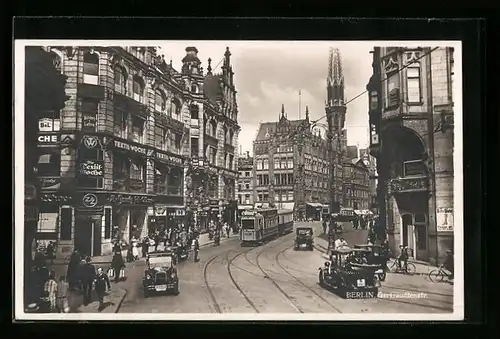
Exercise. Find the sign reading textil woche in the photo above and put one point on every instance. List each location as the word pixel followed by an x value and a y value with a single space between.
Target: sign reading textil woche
pixel 444 219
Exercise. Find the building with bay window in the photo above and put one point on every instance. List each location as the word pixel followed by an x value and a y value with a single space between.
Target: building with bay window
pixel 245 181
pixel 113 162
pixel 411 122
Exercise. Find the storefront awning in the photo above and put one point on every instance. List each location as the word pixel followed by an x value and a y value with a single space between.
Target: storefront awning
pixel 314 204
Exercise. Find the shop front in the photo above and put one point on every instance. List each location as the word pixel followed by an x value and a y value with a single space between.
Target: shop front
pixel 132 213
pixel 89 216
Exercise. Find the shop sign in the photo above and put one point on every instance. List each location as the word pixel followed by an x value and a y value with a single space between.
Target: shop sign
pixel 129 199
pixel 92 168
pixel 444 217
pixel 180 213
pixel 90 200
pixel 47 139
pixel 160 210
pixel 170 158
pixel 48 125
pixel 50 182
pixel 91 141
pixel 128 147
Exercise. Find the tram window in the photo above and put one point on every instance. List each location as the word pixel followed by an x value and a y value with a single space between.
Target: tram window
pixel 247 224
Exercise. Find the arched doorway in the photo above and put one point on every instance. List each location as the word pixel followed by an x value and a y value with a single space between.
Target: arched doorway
pixel 403 163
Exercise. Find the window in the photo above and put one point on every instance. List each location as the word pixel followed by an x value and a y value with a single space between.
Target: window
pixel 48 218
pixel 373 100
pixel 91 68
pixel 239 187
pixel 138 89
pixel 174 181
pixel 161 138
pixel 160 101
pixel 136 171
pixel 194 110
pixel 120 166
pixel 90 112
pixel 421 237
pixel 137 129
pixel 194 147
pixel 265 164
pixel 213 128
pixel 290 178
pixel 120 80
pixel 290 163
pixel 266 179
pixel 277 179
pixel 413 83
pixel 121 124
pixel 230 162
pixel 392 89
pixel 247 198
pixel 194 88
pixel 175 108
pixel 247 186
pixel 247 174
pixel 213 155
pixel 160 178
pixel 259 164
pixel 49 162
pixel 259 179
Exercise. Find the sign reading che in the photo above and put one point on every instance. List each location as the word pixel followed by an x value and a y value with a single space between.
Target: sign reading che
pixel 48 138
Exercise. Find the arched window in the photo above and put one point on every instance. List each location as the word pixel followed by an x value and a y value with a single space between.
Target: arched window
pixel 120 80
pixel 194 88
pixel 160 101
pixel 175 108
pixel 213 128
pixel 91 68
pixel 136 171
pixel 138 89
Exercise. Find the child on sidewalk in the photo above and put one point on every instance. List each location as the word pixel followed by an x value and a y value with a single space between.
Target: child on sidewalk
pixel 62 303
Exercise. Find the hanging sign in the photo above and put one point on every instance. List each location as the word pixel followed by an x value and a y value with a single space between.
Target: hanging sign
pixel 444 217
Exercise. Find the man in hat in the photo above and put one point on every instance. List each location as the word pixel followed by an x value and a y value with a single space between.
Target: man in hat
pixel 88 276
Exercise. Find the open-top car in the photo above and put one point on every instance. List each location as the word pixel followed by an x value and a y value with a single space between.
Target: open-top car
pixel 377 256
pixel 161 273
pixel 344 276
pixel 304 238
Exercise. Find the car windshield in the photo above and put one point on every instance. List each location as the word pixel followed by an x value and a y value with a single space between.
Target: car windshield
pixel 304 231
pixel 160 261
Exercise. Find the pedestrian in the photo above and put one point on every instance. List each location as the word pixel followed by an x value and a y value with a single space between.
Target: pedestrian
pixel 227 229
pixel 87 276
pixel 101 282
pixel 135 249
pixel 117 264
pixel 145 247
pixel 72 272
pixel 50 250
pixel 196 249
pixel 157 240
pixel 39 260
pixel 403 257
pixel 62 295
pixel 50 289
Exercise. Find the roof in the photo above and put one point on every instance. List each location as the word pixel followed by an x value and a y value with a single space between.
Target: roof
pixel 271 127
pixel 211 88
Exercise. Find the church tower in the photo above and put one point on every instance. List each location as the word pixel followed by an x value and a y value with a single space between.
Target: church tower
pixel 335 102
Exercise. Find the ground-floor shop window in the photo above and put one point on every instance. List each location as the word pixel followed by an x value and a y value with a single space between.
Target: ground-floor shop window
pixel 137 219
pixel 48 218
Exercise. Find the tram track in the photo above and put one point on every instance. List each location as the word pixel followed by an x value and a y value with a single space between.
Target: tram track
pixel 276 258
pixel 238 287
pixel 275 284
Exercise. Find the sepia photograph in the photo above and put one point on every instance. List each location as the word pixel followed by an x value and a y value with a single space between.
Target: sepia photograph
pixel 238 180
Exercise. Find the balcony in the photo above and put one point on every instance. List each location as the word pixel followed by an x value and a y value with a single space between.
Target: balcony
pixel 169 122
pixel 128 104
pixel 409 184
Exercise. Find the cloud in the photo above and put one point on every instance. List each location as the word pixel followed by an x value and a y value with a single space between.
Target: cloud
pixel 269 74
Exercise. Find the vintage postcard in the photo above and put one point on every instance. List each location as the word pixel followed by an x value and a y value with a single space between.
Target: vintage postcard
pixel 238 180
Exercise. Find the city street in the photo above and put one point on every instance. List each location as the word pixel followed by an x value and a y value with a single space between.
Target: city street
pixel 273 278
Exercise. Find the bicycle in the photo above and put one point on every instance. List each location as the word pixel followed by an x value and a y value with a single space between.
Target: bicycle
pixel 396 268
pixel 438 275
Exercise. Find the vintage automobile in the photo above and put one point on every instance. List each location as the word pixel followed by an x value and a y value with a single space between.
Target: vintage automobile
pixel 304 238
pixel 346 278
pixel 376 256
pixel 161 273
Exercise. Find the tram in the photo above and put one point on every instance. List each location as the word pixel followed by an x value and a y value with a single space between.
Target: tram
pixel 261 224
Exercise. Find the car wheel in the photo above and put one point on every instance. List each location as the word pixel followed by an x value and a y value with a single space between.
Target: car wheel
pixel 382 276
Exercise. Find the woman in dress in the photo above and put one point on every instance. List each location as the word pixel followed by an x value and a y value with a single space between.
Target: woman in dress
pixel 135 249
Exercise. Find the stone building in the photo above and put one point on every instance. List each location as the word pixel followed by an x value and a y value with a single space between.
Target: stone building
pixel 411 121
pixel 291 167
pixel 113 161
pixel 245 180
pixel 356 185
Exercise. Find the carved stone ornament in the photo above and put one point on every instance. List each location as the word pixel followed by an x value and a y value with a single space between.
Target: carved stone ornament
pixel 391 65
pixel 412 57
pixel 70 51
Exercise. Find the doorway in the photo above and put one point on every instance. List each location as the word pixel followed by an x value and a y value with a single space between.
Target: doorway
pixel 88 235
pixel 408 238
pixel 414 235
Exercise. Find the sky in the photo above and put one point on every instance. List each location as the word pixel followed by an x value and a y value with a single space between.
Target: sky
pixel 268 74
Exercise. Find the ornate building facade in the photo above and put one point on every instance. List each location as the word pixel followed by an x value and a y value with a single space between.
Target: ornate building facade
pixel 290 172
pixel 114 161
pixel 411 120
pixel 356 185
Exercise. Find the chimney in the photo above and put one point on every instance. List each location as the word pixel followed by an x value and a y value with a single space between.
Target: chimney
pixel 248 154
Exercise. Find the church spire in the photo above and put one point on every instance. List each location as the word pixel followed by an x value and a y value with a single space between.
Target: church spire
pixel 209 67
pixel 335 78
pixel 307 113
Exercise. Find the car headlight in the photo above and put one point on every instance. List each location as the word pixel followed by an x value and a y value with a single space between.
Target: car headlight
pixel 148 276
